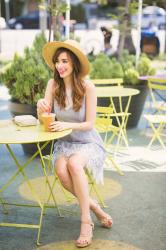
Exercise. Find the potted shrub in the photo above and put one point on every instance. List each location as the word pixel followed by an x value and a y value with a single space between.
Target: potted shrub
pixel 26 78
pixel 106 67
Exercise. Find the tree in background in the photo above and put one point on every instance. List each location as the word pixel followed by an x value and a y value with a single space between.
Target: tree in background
pixel 126 9
pixel 125 26
pixel 55 9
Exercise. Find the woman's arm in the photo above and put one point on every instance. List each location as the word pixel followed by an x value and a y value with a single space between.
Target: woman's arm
pixel 45 104
pixel 91 102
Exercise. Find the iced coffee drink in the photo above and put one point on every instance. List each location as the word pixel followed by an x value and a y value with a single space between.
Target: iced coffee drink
pixel 47 119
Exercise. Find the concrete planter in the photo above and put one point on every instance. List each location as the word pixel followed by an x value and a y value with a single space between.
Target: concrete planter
pixel 22 109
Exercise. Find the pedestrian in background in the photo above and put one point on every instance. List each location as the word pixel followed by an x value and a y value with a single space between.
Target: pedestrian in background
pixel 107 34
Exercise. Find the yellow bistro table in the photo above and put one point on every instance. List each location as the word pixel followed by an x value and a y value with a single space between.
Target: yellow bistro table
pixel 119 91
pixel 10 133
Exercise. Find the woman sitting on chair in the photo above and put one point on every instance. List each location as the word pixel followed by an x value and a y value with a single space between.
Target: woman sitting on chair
pixel 74 101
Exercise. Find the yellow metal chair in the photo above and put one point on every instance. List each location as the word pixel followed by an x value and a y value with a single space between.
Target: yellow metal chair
pixel 48 159
pixel 108 82
pixel 121 118
pixel 157 120
pixel 157 123
pixel 155 85
pixel 92 184
pixel 104 126
pixel 94 188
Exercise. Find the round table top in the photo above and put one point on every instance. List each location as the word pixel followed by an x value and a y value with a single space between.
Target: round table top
pixel 10 133
pixel 117 91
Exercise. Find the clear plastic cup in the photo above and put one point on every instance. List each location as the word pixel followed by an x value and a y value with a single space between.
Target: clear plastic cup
pixel 47 119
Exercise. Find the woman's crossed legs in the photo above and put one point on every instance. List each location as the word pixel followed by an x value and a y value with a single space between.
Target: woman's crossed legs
pixel 70 171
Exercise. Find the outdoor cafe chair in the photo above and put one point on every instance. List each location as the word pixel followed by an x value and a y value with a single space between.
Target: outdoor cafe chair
pixel 157 86
pixel 157 123
pixel 109 93
pixel 157 120
pixel 108 82
pixel 48 159
pixel 104 126
pixel 91 182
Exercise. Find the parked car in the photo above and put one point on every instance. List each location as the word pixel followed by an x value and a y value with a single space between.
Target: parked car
pixel 27 21
pixel 152 16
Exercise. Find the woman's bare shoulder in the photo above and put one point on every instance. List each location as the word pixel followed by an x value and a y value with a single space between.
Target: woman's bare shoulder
pixel 51 84
pixel 89 85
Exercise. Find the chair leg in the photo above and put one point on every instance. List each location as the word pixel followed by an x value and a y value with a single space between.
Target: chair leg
pixel 56 179
pixel 156 134
pixel 67 196
pixel 40 225
pixel 115 165
pixel 93 187
pixel 92 184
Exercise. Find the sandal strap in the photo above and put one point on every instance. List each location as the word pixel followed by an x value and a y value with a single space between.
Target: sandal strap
pixel 86 238
pixel 90 223
pixel 87 222
pixel 106 221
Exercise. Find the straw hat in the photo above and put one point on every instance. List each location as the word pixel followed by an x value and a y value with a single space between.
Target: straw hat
pixel 50 48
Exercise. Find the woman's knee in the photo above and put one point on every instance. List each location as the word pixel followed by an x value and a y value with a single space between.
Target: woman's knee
pixel 63 177
pixel 60 169
pixel 59 172
pixel 74 166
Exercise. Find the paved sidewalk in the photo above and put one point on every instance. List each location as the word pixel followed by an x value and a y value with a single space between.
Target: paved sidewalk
pixel 136 201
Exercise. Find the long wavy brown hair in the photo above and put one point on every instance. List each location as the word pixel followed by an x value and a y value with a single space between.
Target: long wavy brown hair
pixel 78 89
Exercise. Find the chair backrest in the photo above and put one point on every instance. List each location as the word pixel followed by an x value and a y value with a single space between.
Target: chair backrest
pixel 104 111
pixel 103 119
pixel 107 82
pixel 155 85
pixel 103 125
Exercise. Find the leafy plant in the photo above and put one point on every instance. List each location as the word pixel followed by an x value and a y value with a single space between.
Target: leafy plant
pixel 131 76
pixel 144 66
pixel 104 67
pixel 127 60
pixel 26 76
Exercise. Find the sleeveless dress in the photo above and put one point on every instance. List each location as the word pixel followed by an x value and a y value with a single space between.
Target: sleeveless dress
pixel 88 143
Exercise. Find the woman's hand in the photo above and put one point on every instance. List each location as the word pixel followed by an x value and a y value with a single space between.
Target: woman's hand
pixel 59 126
pixel 43 106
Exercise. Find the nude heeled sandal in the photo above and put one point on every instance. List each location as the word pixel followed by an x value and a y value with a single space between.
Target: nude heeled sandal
pixel 106 221
pixel 85 240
